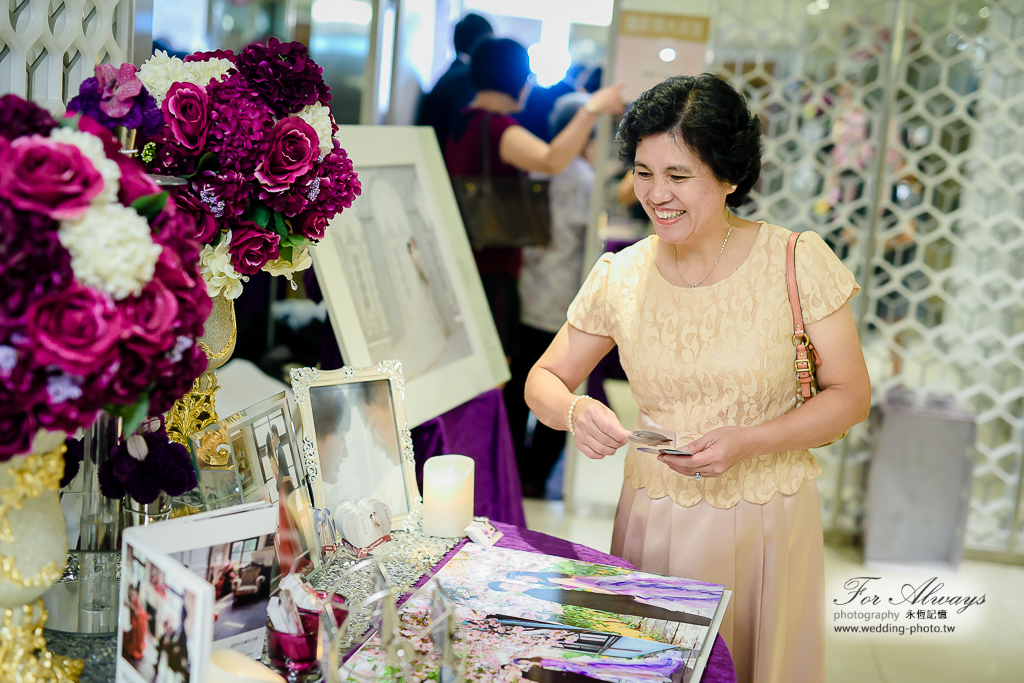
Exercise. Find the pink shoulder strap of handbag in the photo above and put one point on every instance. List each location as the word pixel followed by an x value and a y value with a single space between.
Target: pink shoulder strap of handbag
pixel 806 357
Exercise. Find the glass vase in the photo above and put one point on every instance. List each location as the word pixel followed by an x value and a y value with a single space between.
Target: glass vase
pixel 139 514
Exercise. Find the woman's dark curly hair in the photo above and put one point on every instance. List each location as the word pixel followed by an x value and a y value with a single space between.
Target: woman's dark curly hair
pixel 709 117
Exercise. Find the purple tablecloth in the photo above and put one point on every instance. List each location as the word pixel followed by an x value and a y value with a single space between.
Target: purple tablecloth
pixel 479 429
pixel 719 669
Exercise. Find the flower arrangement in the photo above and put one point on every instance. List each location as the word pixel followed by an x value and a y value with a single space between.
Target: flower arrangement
pixel 253 136
pixel 101 304
pixel 147 464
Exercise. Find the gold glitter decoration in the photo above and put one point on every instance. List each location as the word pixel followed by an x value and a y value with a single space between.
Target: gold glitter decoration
pixel 214 450
pixel 35 474
pixel 23 654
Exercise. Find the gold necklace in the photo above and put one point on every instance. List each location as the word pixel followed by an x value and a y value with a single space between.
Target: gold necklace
pixel 675 259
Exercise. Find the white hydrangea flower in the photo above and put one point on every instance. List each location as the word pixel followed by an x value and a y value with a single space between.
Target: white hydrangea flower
pixel 92 148
pixel 319 118
pixel 218 272
pixel 300 261
pixel 161 71
pixel 111 249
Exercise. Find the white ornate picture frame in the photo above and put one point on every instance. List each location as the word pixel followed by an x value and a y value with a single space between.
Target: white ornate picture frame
pixel 399 278
pixel 356 441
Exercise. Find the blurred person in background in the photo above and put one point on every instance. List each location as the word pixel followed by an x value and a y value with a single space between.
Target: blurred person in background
pixel 500 71
pixel 454 90
pixel 549 281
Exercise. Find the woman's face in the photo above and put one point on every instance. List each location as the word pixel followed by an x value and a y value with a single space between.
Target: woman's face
pixel 679 193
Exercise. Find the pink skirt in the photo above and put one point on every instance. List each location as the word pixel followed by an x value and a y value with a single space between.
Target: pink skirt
pixel 770 556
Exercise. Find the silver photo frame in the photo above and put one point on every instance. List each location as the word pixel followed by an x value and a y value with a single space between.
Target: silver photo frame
pixel 356 442
pixel 399 278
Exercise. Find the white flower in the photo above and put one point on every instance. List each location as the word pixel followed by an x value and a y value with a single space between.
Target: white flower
pixel 300 261
pixel 111 249
pixel 319 118
pixel 91 148
pixel 161 71
pixel 221 277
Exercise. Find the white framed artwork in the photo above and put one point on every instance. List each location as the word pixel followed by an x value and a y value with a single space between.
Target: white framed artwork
pixel 356 441
pixel 398 275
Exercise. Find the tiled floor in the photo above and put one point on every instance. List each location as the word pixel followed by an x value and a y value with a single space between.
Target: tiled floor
pixel 986 647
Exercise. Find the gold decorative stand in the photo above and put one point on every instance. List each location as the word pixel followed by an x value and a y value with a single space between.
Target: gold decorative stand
pixel 23 654
pixel 197 409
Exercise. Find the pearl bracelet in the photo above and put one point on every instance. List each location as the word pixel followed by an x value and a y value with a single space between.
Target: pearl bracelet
pixel 572 407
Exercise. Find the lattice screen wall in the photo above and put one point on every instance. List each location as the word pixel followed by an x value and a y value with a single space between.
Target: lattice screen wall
pixel 47 47
pixel 894 129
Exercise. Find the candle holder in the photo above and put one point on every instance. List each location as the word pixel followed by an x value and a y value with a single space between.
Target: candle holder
pixel 294 655
pixel 447 495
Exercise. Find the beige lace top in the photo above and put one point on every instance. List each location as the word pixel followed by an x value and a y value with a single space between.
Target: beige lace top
pixel 714 356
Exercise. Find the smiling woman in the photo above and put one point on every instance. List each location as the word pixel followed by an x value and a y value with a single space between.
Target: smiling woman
pixel 701 314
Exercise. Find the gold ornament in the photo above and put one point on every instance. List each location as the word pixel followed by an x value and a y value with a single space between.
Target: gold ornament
pixel 23 654
pixel 197 410
pixel 214 450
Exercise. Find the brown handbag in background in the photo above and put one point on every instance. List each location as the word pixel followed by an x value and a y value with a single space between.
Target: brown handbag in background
pixel 503 211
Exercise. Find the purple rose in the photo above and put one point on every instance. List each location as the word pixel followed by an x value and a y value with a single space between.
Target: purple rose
pixel 207 56
pixel 133 376
pixel 47 177
pixel 184 280
pixel 19 117
pixel 148 318
pixel 312 225
pixel 17 429
pixel 135 182
pixel 175 379
pixel 252 247
pixel 75 330
pixel 187 110
pixel 190 205
pixel 294 148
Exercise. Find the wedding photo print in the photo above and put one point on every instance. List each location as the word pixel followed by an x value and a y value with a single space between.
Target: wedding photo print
pixel 158 624
pixel 261 438
pixel 358 445
pixel 392 262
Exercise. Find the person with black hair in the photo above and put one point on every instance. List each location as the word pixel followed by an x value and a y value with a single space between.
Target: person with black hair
pixel 701 315
pixel 454 90
pixel 500 70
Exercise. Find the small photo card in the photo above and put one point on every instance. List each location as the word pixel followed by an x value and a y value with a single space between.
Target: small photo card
pixel 481 531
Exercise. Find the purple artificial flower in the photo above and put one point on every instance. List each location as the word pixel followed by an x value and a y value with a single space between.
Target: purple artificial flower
pixel 252 247
pixel 187 111
pixel 148 319
pixel 132 377
pixel 224 193
pixel 240 125
pixel 312 225
pixel 75 330
pixel 34 263
pixel 330 187
pixel 183 278
pixel 175 379
pixel 20 117
pixel 294 148
pixel 73 456
pixel 17 429
pixel 284 75
pixel 206 228
pixel 143 114
pixel 118 88
pixel 53 178
pixel 207 56
pixel 135 182
pixel 165 467
pixel 339 183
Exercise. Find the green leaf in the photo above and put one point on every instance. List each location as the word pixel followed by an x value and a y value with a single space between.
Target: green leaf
pixel 261 215
pixel 286 253
pixel 295 241
pixel 133 414
pixel 279 225
pixel 70 122
pixel 150 206
pixel 206 162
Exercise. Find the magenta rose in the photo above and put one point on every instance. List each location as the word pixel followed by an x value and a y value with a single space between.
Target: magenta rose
pixel 294 148
pixel 47 177
pixel 187 110
pixel 184 280
pixel 135 182
pixel 75 330
pixel 251 247
pixel 312 225
pixel 206 225
pixel 133 376
pixel 148 319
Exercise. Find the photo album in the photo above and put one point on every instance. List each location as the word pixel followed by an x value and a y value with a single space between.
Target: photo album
pixel 193 585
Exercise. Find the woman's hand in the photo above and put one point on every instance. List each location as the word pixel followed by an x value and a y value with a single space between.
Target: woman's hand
pixel 714 453
pixel 598 431
pixel 607 100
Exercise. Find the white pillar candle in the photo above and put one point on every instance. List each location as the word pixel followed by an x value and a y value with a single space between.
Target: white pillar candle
pixel 447 495
pixel 228 666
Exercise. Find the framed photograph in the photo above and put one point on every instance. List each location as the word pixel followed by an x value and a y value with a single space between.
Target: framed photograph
pixel 355 438
pixel 398 275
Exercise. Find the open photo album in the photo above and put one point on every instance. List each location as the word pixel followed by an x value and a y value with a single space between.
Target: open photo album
pixel 193 585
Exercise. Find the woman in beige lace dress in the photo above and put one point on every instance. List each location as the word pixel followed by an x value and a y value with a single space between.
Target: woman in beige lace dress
pixel 700 313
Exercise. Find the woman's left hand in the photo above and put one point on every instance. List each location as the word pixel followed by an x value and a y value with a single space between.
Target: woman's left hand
pixel 714 453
